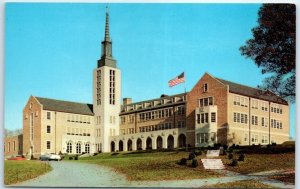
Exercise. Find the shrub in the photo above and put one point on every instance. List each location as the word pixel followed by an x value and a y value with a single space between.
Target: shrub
pixel 192 155
pixel 95 154
pixel 241 157
pixel 273 143
pixel 70 158
pixel 233 146
pixel 230 150
pixel 194 163
pixel 76 157
pixel 198 153
pixel 225 147
pixel 183 161
pixel 230 156
pixel 234 162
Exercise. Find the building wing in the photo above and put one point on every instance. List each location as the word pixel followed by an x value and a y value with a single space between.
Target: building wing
pixel 66 106
pixel 252 92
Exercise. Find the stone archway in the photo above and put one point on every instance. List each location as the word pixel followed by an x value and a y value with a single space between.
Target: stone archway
pixel 139 144
pixel 170 142
pixel 159 142
pixel 112 146
pixel 121 146
pixel 181 141
pixel 129 145
pixel 148 143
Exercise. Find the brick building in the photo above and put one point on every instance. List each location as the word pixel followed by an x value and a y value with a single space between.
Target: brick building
pixel 214 111
pixel 13 145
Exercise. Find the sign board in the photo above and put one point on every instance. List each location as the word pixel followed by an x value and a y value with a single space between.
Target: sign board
pixel 213 153
pixel 212 163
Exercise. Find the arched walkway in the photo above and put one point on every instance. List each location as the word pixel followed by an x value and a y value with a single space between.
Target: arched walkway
pixel 112 146
pixel 170 142
pixel 129 145
pixel 148 143
pixel 159 142
pixel 181 141
pixel 120 146
pixel 139 144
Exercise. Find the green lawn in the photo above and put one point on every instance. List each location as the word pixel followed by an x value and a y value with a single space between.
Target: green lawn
pixel 240 184
pixel 151 166
pixel 17 171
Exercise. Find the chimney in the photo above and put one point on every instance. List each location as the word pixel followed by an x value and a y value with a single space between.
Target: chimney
pixel 127 101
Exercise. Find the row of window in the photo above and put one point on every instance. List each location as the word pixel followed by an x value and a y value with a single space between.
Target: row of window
pixel 208 101
pixel 78 118
pixel 276 124
pixel 157 114
pixel 256 104
pixel 240 101
pixel 13 146
pixel 154 103
pixel 240 118
pixel 78 131
pixel 164 126
pixel 78 148
pixel 204 137
pixel 255 139
pixel 204 117
pixel 129 119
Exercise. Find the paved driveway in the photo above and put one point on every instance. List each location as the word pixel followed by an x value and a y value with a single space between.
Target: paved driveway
pixel 74 174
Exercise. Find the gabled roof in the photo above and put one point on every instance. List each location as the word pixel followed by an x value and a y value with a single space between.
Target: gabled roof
pixel 66 106
pixel 253 92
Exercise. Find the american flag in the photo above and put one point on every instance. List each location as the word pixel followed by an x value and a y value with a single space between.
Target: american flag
pixel 177 80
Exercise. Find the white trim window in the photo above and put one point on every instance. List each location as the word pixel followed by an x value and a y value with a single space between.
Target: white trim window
pixel 48 145
pixel 205 87
pixel 246 137
pixel 78 148
pixel 48 129
pixel 69 147
pixel 264 139
pixel 48 115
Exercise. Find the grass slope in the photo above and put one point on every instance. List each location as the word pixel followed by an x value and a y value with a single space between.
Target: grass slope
pixel 151 166
pixel 17 171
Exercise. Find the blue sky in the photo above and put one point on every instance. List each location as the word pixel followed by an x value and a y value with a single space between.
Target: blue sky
pixel 52 49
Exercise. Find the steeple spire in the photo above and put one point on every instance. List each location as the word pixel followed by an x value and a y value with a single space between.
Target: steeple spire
pixel 106 55
pixel 107 38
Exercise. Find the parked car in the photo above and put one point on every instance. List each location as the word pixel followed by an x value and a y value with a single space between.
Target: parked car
pixel 49 157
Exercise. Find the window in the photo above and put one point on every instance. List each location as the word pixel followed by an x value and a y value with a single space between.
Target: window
pixel 213 117
pixel 112 87
pixel 264 139
pixel 78 148
pixel 48 129
pixel 205 87
pixel 48 145
pixel 14 146
pixel 254 120
pixel 240 101
pixel 206 101
pixel 203 137
pixel 69 147
pixel 48 115
pixel 98 95
pixel 246 137
pixel 8 147
pixel 254 104
pixel 255 138
pixel 180 110
pixel 180 124
pixel 198 118
pixel 240 118
pixel 31 126
pixel 87 148
pixel 206 118
pixel 264 122
pixel 202 118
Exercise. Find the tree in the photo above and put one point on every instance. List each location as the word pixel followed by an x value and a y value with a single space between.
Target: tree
pixel 273 48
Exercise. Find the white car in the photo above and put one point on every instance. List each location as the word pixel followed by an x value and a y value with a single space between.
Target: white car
pixel 49 157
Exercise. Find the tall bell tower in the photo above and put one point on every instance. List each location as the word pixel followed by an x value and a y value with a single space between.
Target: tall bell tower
pixel 106 94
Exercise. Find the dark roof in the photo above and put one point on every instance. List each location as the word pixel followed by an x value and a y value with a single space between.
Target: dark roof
pixel 66 106
pixel 253 92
